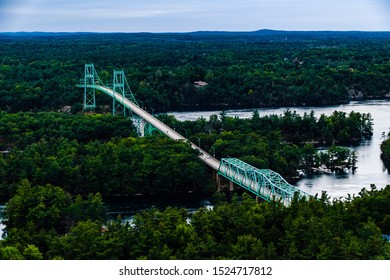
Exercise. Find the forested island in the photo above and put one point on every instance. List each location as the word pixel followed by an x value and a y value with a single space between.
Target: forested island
pixel 59 164
pixel 60 168
pixel 101 153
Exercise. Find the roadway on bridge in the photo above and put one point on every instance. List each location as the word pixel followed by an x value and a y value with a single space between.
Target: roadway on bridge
pixel 203 155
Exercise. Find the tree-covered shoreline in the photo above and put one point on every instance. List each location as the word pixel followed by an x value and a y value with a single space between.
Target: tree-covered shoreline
pixel 61 167
pixel 385 151
pixel 86 153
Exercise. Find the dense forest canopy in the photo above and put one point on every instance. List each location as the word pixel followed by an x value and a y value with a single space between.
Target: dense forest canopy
pixel 46 222
pixel 39 72
pixel 93 153
pixel 55 180
pixel 57 169
pixel 84 153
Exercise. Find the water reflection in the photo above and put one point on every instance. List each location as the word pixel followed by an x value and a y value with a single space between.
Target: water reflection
pixel 127 207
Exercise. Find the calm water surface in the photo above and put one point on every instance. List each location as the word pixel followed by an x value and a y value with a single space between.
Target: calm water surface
pixel 370 166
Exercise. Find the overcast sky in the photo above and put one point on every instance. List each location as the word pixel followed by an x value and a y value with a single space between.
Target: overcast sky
pixel 192 15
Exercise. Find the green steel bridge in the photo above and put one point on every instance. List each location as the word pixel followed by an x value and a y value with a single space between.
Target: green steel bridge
pixel 264 183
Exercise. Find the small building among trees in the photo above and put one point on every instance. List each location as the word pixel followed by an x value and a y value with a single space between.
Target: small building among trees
pixel 200 84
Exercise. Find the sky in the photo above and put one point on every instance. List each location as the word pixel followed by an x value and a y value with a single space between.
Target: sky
pixel 191 15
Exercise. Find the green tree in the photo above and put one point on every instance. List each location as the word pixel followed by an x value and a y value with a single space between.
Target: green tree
pixel 10 253
pixel 31 252
pixel 81 243
pixel 40 205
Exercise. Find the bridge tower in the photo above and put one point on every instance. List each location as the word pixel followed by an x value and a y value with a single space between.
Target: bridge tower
pixel 90 79
pixel 118 85
pixel 91 82
pixel 121 86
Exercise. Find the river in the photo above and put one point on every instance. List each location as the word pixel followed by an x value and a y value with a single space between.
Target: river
pixel 370 168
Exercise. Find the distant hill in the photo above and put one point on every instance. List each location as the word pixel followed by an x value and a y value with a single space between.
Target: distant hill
pixel 296 34
pixel 39 33
pixel 263 35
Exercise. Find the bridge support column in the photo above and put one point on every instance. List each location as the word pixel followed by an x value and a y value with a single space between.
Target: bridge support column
pixel 118 85
pixel 231 187
pixel 142 128
pixel 90 79
pixel 217 181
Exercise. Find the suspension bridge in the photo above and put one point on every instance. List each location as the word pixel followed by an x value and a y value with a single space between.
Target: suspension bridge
pixel 264 183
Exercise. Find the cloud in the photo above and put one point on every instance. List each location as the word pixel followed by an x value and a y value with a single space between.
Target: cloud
pixel 90 9
pixel 190 15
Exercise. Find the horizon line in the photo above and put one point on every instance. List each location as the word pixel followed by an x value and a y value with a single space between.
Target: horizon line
pixel 195 31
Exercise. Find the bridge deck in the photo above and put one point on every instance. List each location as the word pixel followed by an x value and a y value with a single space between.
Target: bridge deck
pixel 203 155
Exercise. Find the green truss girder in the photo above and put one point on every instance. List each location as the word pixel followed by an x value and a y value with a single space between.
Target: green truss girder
pixel 264 183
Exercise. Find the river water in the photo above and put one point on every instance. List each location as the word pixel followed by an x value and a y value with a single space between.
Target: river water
pixel 370 168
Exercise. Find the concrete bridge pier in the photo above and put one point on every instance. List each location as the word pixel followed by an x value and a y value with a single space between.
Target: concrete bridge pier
pixel 142 128
pixel 231 186
pixel 217 180
pixel 222 184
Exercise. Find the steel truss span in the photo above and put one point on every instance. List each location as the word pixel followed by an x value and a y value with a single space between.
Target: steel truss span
pixel 264 183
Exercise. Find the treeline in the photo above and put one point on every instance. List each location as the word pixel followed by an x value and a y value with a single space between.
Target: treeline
pixel 94 153
pixel 40 73
pixel 24 128
pixel 45 222
pixel 385 151
pixel 283 143
pixel 339 127
pixel 118 167
pixel 100 153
